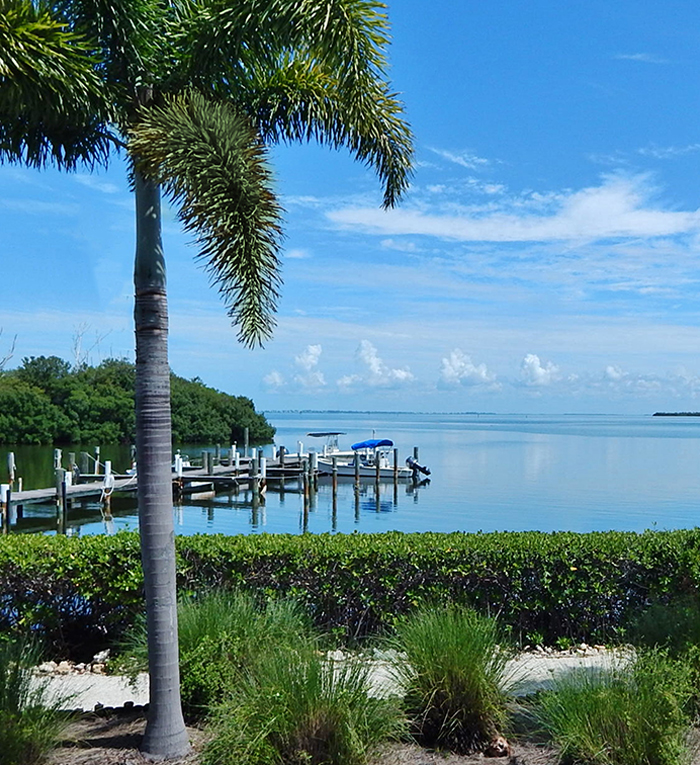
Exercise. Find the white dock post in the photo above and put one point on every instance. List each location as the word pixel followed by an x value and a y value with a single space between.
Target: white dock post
pixel 300 446
pixel 263 468
pixel 11 467
pixel 246 441
pixel 108 467
pixel 178 465
pixel 97 460
pixel 57 457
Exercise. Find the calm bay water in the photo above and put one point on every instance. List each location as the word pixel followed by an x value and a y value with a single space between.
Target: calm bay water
pixel 489 472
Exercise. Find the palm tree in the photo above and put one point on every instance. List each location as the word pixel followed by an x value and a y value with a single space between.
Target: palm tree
pixel 195 90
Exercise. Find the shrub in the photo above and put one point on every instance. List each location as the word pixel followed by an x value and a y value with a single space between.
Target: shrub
pixel 80 594
pixel 626 715
pixel 30 723
pixel 451 664
pixel 674 625
pixel 297 708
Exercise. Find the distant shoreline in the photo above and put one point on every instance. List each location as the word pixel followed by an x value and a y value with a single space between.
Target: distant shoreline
pixel 676 414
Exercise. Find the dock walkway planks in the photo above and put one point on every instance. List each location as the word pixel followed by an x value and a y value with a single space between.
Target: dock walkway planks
pixel 129 483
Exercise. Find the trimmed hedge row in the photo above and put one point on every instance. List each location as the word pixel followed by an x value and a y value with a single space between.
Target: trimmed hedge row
pixel 81 593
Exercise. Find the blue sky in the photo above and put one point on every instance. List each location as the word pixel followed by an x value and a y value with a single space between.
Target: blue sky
pixel 546 258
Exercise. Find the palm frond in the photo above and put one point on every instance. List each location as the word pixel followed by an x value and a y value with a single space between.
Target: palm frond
pixel 126 36
pixel 53 105
pixel 349 36
pixel 299 99
pixel 211 162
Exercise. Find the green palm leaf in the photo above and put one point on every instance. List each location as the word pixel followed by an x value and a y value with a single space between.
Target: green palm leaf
pixel 53 105
pixel 210 161
pixel 298 100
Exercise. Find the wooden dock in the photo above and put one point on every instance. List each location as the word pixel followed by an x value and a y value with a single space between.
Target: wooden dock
pixel 100 487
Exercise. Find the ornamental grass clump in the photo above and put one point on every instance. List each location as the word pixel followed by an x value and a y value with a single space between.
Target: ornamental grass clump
pixel 623 715
pixel 452 665
pixel 220 633
pixel 30 723
pixel 299 708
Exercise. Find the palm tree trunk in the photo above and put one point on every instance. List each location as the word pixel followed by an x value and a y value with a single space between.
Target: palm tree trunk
pixel 166 736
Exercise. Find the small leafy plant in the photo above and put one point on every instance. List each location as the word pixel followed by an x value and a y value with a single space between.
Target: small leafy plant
pixel 452 664
pixel 624 715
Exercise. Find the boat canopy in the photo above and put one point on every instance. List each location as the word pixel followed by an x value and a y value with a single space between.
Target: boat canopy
pixel 372 443
pixel 325 434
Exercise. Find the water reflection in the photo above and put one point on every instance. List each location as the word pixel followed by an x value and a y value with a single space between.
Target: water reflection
pixel 489 472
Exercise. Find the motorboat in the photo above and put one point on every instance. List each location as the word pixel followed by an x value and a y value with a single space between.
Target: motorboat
pixel 370 459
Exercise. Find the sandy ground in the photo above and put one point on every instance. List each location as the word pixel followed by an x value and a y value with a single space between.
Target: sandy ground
pixel 113 739
pixel 112 735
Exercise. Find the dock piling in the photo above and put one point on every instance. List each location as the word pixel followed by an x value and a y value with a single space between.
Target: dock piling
pixel 246 441
pixel 11 467
pixel 97 460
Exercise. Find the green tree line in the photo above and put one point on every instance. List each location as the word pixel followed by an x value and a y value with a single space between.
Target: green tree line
pixel 46 401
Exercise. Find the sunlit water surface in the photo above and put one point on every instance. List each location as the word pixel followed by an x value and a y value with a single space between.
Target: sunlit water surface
pixel 577 473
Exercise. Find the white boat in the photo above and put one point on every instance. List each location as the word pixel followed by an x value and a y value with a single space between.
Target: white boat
pixel 370 459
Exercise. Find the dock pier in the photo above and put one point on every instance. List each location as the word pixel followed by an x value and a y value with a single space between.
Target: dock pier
pixel 88 478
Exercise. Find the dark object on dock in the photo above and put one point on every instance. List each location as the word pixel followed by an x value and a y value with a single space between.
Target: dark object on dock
pixel 416 468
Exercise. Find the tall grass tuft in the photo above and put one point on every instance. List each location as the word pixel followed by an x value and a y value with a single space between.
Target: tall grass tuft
pixel 297 708
pixel 30 723
pixel 219 634
pixel 222 633
pixel 625 715
pixel 452 664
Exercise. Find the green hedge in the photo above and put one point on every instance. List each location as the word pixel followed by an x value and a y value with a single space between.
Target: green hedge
pixel 80 594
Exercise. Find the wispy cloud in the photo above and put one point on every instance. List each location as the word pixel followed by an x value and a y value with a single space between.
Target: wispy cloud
pixel 668 152
pixel 620 207
pixel 297 254
pixel 646 58
pixel 274 381
pixel 38 207
pixel 464 159
pixel 93 182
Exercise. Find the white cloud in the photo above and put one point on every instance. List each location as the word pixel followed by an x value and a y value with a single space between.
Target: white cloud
pixel 613 373
pixel 620 207
pixel 274 381
pixel 297 254
pixel 458 369
pixel 464 159
pixel 535 374
pixel 38 207
pixel 400 245
pixel 376 373
pixel 379 374
pixel 647 58
pixel 668 152
pixel 95 183
pixel 310 376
